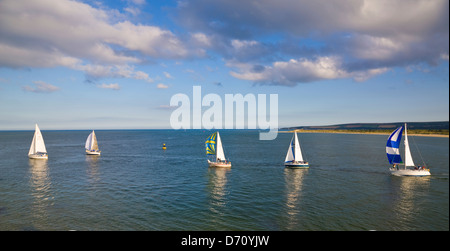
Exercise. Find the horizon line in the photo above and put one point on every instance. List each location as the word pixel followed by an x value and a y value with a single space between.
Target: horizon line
pixel 279 128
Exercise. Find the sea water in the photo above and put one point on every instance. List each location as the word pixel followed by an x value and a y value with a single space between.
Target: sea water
pixel 135 185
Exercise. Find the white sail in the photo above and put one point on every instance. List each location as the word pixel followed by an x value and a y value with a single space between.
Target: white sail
pixel 294 152
pixel 297 151
pixel 37 145
pixel 219 151
pixel 33 145
pixel 94 145
pixel 91 142
pixel 290 152
pixel 408 158
pixel 88 142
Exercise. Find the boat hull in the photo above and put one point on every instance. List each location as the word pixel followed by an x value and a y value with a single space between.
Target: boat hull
pixel 410 172
pixel 38 156
pixel 296 165
pixel 92 153
pixel 219 164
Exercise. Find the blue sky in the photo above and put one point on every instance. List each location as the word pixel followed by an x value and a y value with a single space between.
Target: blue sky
pixel 116 64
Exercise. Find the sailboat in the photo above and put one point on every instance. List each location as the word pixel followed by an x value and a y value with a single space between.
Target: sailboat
pixel 37 148
pixel 92 145
pixel 215 151
pixel 394 158
pixel 294 158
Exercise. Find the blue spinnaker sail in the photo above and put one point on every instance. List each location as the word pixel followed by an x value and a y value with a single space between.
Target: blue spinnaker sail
pixel 392 146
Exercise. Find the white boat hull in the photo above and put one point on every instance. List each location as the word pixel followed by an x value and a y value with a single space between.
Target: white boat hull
pixel 410 172
pixel 38 156
pixel 219 164
pixel 296 165
pixel 92 153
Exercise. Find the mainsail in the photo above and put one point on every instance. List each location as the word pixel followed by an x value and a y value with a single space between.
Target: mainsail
pixel 408 158
pixel 220 155
pixel 37 145
pixel 392 146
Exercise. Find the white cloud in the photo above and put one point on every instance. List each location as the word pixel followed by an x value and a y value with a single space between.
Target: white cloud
pixel 133 10
pixel 202 39
pixel 40 87
pixel 305 70
pixel 97 71
pixel 243 44
pixel 289 42
pixel 280 42
pixel 294 71
pixel 167 75
pixel 17 57
pixel 162 86
pixel 378 48
pixel 143 76
pixel 361 76
pixel 109 86
pixel 302 17
pixel 150 40
pixel 76 35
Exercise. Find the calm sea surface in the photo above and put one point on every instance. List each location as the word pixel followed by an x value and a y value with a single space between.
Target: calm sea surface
pixel 135 185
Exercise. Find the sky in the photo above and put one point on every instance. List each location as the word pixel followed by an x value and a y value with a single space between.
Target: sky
pixel 116 64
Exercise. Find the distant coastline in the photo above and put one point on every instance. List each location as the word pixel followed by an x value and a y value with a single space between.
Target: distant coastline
pixel 442 134
pixel 428 129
